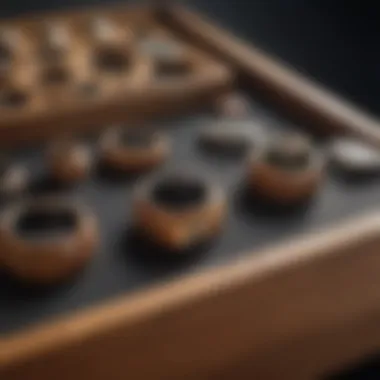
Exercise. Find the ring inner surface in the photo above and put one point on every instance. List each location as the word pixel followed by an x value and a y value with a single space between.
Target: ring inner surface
pixel 179 194
pixel 38 224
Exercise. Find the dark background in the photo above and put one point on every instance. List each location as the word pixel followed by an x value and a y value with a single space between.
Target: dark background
pixel 335 42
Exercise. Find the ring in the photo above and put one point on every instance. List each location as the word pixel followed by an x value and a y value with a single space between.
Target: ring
pixel 178 210
pixel 133 149
pixel 287 170
pixel 46 240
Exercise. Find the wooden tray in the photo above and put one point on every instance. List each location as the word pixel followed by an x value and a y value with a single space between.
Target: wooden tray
pixel 307 304
pixel 42 93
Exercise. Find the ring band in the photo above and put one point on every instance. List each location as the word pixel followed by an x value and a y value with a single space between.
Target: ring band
pixel 51 257
pixel 284 185
pixel 177 221
pixel 134 150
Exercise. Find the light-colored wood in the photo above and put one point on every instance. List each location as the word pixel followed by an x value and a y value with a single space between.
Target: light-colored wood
pixel 296 94
pixel 203 323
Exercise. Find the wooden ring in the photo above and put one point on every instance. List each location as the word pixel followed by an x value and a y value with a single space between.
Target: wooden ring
pixel 286 182
pixel 68 161
pixel 133 149
pixel 178 211
pixel 50 257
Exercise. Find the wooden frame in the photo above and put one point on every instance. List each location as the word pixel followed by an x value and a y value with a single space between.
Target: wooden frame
pixel 297 310
pixel 128 97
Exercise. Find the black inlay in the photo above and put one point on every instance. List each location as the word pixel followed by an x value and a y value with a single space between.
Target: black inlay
pixel 34 224
pixel 55 75
pixel 51 54
pixel 233 145
pixel 13 98
pixel 165 69
pixel 112 60
pixel 179 193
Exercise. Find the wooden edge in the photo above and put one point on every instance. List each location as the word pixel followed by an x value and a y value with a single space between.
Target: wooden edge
pixel 202 323
pixel 135 105
pixel 297 94
pixel 314 356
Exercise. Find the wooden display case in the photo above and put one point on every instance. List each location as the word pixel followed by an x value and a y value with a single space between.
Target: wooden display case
pixel 297 301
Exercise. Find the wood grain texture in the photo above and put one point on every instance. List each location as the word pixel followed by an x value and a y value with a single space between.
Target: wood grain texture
pixel 201 324
pixel 297 95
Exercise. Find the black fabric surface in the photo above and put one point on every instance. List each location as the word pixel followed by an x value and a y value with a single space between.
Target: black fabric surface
pixel 334 42
pixel 122 265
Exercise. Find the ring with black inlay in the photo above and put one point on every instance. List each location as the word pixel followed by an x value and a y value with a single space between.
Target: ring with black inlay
pixel 46 240
pixel 178 210
pixel 134 149
pixel 286 170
